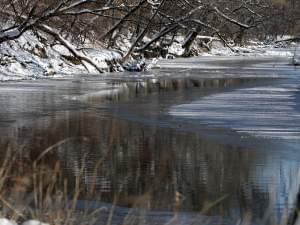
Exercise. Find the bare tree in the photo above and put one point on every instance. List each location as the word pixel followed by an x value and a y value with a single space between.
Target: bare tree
pixel 105 20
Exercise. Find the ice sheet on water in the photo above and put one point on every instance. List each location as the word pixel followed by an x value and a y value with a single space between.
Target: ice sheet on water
pixel 268 112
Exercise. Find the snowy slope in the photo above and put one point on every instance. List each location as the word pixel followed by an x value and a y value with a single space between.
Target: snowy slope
pixel 30 57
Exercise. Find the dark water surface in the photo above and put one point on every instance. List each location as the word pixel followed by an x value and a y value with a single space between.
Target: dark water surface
pixel 171 140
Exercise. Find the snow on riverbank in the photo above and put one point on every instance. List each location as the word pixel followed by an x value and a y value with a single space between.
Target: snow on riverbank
pixel 34 55
pixel 216 48
pixel 30 57
pixel 252 50
pixel 4 221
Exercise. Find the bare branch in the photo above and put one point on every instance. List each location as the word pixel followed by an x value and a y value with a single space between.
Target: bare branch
pixel 123 19
pixel 65 43
pixel 231 20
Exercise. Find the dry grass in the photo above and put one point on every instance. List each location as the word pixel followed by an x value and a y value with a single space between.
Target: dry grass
pixel 34 190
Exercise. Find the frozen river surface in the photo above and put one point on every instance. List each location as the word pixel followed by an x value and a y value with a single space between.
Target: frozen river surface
pixel 203 129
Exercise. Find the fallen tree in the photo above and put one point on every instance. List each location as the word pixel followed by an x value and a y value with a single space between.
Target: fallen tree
pixel 93 21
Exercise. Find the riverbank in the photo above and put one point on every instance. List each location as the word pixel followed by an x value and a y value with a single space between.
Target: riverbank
pixel 33 56
pixel 4 221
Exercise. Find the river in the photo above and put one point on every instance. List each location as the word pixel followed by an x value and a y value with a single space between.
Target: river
pixel 172 141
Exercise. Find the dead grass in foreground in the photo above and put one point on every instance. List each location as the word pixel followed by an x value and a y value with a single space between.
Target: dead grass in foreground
pixel 34 191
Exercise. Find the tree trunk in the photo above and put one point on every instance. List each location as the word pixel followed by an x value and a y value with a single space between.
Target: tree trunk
pixel 164 32
pixel 141 36
pixel 123 19
pixel 66 44
pixel 188 43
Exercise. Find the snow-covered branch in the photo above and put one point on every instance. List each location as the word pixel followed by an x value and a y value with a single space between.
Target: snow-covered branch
pixel 231 20
pixel 69 46
pixel 120 22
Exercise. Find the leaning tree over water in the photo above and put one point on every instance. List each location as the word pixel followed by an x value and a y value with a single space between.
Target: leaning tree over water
pixel 104 21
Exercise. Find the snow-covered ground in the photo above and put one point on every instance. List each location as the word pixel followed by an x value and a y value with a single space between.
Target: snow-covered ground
pixel 4 221
pixel 252 50
pixel 31 57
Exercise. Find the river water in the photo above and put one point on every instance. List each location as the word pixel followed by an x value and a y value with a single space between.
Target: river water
pixel 171 141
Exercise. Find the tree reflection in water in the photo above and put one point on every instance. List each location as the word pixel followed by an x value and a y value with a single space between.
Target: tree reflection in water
pixel 161 169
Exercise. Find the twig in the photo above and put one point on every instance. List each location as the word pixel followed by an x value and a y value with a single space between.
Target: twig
pixel 7 204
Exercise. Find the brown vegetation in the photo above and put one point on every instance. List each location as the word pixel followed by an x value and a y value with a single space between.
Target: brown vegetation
pixel 107 21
